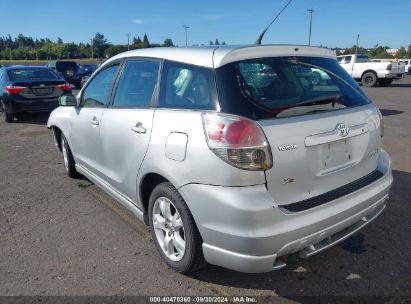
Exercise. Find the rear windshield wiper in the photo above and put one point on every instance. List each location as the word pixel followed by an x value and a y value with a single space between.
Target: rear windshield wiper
pixel 322 100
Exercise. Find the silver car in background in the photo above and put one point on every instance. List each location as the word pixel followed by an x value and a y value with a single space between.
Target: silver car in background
pixel 231 155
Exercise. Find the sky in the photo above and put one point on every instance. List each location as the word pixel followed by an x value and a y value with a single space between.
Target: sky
pixel 336 23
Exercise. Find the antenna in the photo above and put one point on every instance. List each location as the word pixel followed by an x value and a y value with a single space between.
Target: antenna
pixel 258 42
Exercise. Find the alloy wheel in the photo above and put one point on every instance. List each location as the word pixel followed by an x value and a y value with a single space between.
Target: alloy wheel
pixel 169 229
pixel 369 80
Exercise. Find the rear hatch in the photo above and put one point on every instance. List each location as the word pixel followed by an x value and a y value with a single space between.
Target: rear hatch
pixel 397 68
pixel 312 154
pixel 323 131
pixel 41 89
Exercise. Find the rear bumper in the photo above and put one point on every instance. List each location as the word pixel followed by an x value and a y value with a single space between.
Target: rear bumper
pixel 390 75
pixel 244 230
pixel 31 105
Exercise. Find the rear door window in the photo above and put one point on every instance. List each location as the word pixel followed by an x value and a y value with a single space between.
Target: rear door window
pixel 186 86
pixel 137 83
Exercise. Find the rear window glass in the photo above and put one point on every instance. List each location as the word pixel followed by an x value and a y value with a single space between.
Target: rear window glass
pixel 347 59
pixel 31 75
pixel 186 86
pixel 286 86
pixel 362 58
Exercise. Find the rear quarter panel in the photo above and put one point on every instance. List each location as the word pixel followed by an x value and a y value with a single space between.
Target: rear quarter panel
pixel 201 165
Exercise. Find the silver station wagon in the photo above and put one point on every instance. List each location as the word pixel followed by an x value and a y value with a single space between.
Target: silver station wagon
pixel 235 156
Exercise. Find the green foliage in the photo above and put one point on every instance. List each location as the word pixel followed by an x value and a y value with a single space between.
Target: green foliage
pixel 115 49
pixel 409 51
pixel 26 48
pixel 146 43
pixel 99 44
pixel 137 40
pixel 168 42
pixel 354 50
pixel 379 52
pixel 401 53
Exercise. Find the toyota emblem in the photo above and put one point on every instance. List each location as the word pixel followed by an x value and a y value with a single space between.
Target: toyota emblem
pixel 342 129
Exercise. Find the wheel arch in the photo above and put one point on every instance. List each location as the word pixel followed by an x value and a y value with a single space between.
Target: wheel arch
pixel 146 186
pixel 369 70
pixel 57 135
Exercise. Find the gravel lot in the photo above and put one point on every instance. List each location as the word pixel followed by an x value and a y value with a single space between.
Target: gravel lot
pixel 60 236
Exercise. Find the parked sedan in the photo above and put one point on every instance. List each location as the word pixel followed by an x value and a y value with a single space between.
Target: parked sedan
pixel 27 89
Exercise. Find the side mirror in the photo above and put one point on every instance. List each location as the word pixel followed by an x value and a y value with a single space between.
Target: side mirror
pixel 68 101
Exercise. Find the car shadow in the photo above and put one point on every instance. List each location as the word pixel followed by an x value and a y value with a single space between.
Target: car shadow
pixel 389 112
pixel 357 266
pixel 32 118
pixel 399 84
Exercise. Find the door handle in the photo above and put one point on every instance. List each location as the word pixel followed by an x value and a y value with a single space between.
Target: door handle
pixel 95 121
pixel 138 128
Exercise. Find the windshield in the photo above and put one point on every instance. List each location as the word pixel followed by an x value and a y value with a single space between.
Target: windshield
pixel 31 74
pixel 286 86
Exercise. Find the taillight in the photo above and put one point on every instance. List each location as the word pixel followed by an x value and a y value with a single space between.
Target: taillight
pixel 15 89
pixel 238 141
pixel 389 67
pixel 65 87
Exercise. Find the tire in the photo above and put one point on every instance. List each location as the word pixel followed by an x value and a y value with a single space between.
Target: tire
pixel 20 116
pixel 177 227
pixel 385 82
pixel 69 72
pixel 68 159
pixel 369 79
pixel 7 117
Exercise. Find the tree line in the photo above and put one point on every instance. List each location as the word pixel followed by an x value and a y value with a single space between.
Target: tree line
pixel 378 51
pixel 27 48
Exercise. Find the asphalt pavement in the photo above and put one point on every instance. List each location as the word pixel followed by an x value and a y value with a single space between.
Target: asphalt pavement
pixel 61 236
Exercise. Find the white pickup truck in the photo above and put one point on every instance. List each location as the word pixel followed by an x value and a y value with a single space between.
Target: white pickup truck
pixel 370 73
pixel 407 63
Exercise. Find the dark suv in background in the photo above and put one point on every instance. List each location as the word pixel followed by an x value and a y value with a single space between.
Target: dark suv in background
pixel 69 70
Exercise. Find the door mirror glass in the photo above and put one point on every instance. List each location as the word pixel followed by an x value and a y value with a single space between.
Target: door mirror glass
pixel 68 101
